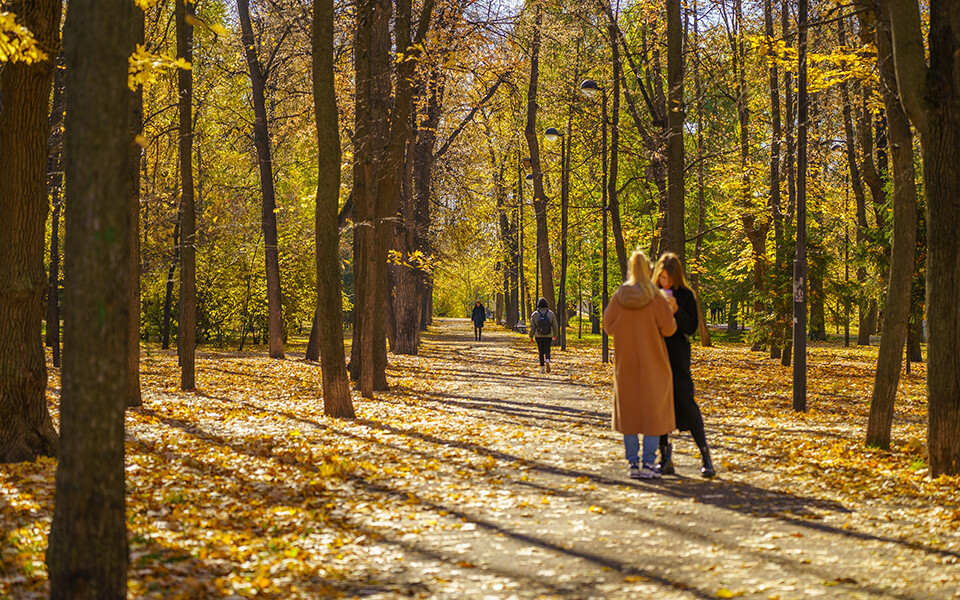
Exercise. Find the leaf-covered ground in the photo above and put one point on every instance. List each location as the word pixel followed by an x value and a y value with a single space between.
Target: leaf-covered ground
pixel 477 477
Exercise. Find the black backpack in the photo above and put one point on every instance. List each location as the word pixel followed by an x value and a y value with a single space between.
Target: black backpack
pixel 543 324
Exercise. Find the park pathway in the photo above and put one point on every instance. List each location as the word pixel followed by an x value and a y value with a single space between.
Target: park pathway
pixel 553 515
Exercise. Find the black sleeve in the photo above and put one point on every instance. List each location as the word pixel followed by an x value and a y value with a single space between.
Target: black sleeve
pixel 686 314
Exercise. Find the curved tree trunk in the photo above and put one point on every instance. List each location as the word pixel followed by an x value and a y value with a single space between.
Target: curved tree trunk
pixel 931 98
pixel 613 202
pixel 897 308
pixel 87 555
pixel 533 145
pixel 26 429
pixel 268 212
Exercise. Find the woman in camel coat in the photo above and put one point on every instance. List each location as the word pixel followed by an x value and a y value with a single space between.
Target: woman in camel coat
pixel 639 317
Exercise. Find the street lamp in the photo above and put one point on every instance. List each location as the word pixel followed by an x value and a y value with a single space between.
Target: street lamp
pixel 590 89
pixel 551 135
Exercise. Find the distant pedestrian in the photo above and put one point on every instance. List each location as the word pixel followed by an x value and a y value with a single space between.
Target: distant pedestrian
pixel 668 275
pixel 544 328
pixel 638 318
pixel 479 316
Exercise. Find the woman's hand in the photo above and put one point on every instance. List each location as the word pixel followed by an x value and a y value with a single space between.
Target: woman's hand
pixel 673 304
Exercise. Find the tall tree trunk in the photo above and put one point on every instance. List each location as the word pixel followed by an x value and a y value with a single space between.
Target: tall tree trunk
pixel 337 401
pixel 788 109
pixel 675 236
pixel 533 145
pixel 781 307
pixel 26 429
pixel 897 307
pixel 931 98
pixel 268 212
pixel 171 271
pixel 134 157
pixel 613 202
pixel 702 328
pixel 405 271
pixel 313 343
pixel 87 555
pixel 372 110
pixel 859 193
pixel 55 188
pixel 755 228
pixel 187 331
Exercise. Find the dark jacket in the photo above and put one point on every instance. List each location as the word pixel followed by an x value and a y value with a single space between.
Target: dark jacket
pixel 479 315
pixel 678 349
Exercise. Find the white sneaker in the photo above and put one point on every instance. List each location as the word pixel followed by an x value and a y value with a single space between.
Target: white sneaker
pixel 541 370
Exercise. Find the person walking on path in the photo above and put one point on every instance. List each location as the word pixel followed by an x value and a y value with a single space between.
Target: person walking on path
pixel 479 316
pixel 638 318
pixel 544 328
pixel 668 276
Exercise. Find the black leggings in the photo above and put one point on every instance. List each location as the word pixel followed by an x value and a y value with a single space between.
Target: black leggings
pixel 543 346
pixel 477 330
pixel 699 436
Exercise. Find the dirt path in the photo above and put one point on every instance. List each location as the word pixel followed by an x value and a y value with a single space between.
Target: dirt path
pixel 475 477
pixel 568 522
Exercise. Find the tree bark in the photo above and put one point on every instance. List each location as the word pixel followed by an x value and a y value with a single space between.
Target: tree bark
pixel 781 294
pixel 897 307
pixel 313 343
pixel 87 555
pixel 613 201
pixel 134 157
pixel 533 145
pixel 26 429
pixel 675 236
pixel 931 99
pixel 268 212
pixel 702 328
pixel 187 330
pixel 755 229
pixel 337 401
pixel 171 271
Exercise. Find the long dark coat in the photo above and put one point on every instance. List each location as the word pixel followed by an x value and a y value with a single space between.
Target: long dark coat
pixel 479 315
pixel 678 349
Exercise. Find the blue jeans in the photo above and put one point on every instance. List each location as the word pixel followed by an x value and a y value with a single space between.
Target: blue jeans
pixel 650 444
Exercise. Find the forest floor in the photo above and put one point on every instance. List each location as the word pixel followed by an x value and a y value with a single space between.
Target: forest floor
pixel 478 477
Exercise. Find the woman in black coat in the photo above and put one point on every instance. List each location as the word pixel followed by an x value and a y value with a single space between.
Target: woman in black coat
pixel 668 275
pixel 479 316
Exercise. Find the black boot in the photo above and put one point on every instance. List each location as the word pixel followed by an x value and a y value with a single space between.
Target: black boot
pixel 707 469
pixel 666 460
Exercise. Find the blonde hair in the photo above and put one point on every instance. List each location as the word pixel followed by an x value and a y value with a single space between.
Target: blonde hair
pixel 639 274
pixel 670 263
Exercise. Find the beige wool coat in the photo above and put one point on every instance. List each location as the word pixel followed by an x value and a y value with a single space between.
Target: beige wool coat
pixel 642 380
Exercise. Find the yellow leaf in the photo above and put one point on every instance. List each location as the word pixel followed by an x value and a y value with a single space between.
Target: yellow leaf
pixel 724 593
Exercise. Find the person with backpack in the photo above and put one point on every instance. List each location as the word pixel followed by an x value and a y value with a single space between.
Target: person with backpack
pixel 638 318
pixel 544 328
pixel 479 316
pixel 668 276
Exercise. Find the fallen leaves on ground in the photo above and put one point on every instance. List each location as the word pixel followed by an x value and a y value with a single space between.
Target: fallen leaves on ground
pixel 245 489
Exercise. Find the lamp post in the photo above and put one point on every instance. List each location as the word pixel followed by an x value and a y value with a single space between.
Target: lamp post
pixel 552 135
pixel 590 89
